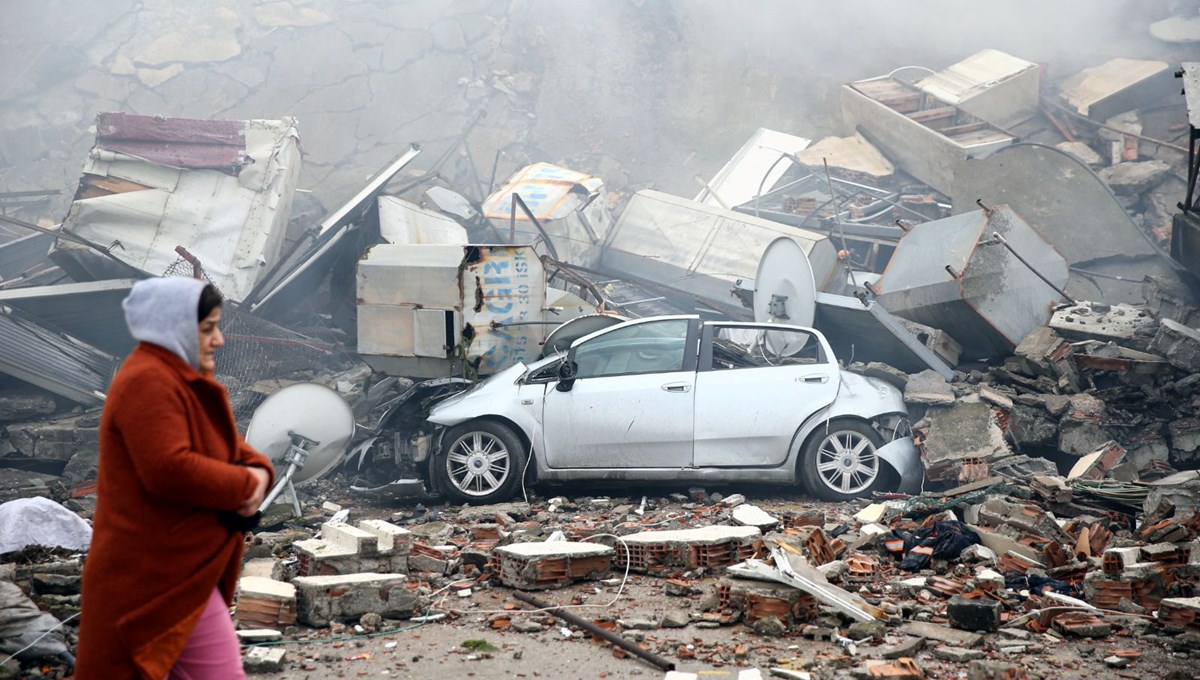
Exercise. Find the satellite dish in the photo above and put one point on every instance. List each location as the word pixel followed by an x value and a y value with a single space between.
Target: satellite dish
pixel 784 288
pixel 306 427
pixel 560 339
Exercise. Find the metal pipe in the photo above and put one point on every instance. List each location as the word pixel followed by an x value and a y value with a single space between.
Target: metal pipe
pixel 608 636
pixel 1000 239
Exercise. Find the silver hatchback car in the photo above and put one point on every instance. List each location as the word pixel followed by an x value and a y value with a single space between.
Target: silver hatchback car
pixel 678 399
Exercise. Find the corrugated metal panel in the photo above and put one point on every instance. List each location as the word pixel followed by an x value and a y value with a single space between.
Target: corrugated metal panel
pixel 177 142
pixel 57 363
pixel 22 254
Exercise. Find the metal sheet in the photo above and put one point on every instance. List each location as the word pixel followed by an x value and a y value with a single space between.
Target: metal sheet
pixel 22 254
pixel 302 271
pixel 866 333
pixel 57 363
pixel 702 250
pixel 754 169
pixel 1073 211
pixel 89 311
pixel 402 221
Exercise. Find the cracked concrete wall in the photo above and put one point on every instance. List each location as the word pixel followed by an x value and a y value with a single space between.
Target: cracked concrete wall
pixel 646 93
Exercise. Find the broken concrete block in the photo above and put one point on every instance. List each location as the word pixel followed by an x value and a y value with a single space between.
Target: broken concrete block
pixel 754 516
pixel 1179 611
pixel 264 660
pixel 321 599
pixel 265 603
pixel 996 670
pixel 390 537
pixel 956 654
pixel 550 564
pixel 1032 426
pixel 963 432
pixel 752 600
pixel 1096 465
pixel 928 387
pixel 713 546
pixel 372 546
pixel 1044 352
pixel 871 514
pixel 981 615
pixel 1134 178
pixel 1083 152
pixel 932 631
pixel 1184 435
pixel 908 647
pixel 1179 344
pixel 886 373
pixel 1126 325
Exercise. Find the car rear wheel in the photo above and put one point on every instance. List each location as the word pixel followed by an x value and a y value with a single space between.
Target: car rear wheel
pixel 481 462
pixel 840 462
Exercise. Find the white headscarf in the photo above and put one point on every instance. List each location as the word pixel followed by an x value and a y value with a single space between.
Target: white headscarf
pixel 162 311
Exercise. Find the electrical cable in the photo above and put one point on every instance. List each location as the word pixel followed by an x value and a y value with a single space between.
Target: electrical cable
pixel 39 638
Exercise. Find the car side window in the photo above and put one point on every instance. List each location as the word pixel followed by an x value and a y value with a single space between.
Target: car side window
pixel 745 347
pixel 653 347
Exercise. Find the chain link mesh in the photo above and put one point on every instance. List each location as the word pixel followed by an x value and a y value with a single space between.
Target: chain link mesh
pixel 260 356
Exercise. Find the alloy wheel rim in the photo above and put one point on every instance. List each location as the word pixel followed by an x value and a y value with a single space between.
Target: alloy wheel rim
pixel 846 462
pixel 477 463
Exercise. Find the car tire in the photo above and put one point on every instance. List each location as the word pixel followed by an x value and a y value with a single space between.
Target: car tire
pixel 839 461
pixel 481 462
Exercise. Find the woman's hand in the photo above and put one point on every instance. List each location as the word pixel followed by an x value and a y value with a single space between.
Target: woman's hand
pixel 261 477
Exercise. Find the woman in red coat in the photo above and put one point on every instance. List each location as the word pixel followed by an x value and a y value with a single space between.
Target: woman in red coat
pixel 177 487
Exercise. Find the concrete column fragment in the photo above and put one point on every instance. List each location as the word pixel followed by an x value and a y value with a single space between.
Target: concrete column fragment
pixel 321 599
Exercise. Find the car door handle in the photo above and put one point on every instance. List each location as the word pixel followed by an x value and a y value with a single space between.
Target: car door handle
pixel 677 387
pixel 813 379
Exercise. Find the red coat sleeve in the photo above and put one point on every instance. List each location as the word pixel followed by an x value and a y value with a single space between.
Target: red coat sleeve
pixel 247 455
pixel 155 429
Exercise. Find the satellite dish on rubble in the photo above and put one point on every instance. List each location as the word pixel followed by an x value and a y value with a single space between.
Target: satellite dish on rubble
pixel 305 427
pixel 784 288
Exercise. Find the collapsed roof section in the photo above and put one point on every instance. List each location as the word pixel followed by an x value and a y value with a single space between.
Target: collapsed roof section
pixel 221 189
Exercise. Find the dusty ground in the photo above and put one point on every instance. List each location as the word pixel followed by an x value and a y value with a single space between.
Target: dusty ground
pixel 436 650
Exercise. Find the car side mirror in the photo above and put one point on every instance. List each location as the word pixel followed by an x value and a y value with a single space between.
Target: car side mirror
pixel 566 375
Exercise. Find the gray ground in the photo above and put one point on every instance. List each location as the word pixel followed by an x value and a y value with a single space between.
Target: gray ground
pixel 646 93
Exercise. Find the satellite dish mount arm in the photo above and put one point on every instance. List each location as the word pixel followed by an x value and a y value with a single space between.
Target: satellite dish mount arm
pixel 296 456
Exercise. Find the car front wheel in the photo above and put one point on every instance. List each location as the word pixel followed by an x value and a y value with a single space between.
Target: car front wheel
pixel 481 462
pixel 840 462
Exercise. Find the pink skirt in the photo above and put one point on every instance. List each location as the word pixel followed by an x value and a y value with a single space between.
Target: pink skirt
pixel 212 652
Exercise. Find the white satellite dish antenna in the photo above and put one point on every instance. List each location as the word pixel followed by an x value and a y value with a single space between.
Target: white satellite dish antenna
pixel 307 426
pixel 784 288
